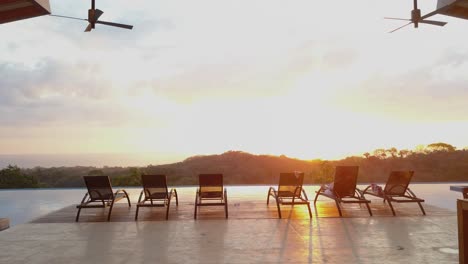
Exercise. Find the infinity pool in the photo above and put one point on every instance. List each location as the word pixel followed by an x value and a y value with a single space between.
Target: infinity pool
pixel 24 205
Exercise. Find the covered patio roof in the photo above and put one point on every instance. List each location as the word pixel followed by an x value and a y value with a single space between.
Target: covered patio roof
pixel 13 10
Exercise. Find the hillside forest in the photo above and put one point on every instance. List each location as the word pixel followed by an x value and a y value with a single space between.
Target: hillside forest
pixel 437 162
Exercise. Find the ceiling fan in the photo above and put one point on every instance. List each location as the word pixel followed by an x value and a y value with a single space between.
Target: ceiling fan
pixel 93 16
pixel 416 18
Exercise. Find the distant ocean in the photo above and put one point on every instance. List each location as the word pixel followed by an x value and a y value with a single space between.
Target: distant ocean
pixel 96 160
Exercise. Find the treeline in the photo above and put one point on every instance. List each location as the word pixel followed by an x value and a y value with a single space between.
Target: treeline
pixel 438 162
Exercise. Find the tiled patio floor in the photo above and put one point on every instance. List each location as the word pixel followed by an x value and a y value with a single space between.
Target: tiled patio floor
pixel 252 234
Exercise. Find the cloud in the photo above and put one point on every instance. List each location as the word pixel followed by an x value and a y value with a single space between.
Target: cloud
pixel 435 92
pixel 51 91
pixel 51 77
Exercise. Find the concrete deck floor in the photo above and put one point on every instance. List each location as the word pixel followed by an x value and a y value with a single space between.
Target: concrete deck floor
pixel 252 234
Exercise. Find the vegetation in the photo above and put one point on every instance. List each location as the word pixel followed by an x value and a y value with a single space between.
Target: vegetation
pixel 13 177
pixel 437 162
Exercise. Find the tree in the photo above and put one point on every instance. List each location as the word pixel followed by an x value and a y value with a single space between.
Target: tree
pixel 404 153
pixel 95 173
pixel 367 155
pixel 13 177
pixel 393 152
pixel 420 149
pixel 440 146
pixel 133 179
pixel 325 172
pixel 380 153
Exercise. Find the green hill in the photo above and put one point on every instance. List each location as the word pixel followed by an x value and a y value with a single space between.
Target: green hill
pixel 244 168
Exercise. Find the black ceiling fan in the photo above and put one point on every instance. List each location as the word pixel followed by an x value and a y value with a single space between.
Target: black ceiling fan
pixel 93 16
pixel 416 18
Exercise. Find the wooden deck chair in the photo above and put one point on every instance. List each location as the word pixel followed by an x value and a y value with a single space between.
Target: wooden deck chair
pixel 343 189
pixel 100 195
pixel 290 191
pixel 396 190
pixel 155 193
pixel 211 192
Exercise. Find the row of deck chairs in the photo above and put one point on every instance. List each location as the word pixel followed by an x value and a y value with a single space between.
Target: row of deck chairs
pixel 344 189
pixel 155 193
pixel 290 191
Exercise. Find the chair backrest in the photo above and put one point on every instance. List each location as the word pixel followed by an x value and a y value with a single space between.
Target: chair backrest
pixel 345 180
pixel 290 184
pixel 99 187
pixel 398 182
pixel 154 186
pixel 211 183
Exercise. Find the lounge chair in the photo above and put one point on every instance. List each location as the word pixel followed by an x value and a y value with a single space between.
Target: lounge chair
pixel 396 190
pixel 156 193
pixel 211 189
pixel 343 189
pixel 100 195
pixel 290 191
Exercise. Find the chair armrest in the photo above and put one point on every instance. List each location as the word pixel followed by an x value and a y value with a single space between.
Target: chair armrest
pixel 119 191
pixel 411 193
pixel 367 188
pixel 305 195
pixel 325 186
pixel 141 194
pixel 99 194
pixel 271 189
pixel 84 198
pixel 359 192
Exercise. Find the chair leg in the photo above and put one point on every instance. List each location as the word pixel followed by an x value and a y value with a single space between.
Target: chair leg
pixel 278 206
pixel 310 212
pixel 79 209
pixel 176 198
pixel 225 203
pixel 422 209
pixel 110 210
pixel 167 210
pixel 136 214
pixel 338 206
pixel 268 197
pixel 128 200
pixel 305 195
pixel 196 205
pixel 316 195
pixel 391 207
pixel 368 209
pixel 78 215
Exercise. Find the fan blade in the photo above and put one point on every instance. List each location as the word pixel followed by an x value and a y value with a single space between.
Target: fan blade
pixel 432 22
pixel 97 14
pixel 88 28
pixel 430 14
pixel 435 12
pixel 114 24
pixel 400 27
pixel 394 18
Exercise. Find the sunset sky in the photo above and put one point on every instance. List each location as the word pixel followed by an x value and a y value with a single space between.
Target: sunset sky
pixel 307 79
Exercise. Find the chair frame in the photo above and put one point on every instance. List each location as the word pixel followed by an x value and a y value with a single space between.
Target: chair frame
pixel 405 196
pixel 221 198
pixel 165 200
pixel 298 197
pixel 356 197
pixel 102 201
